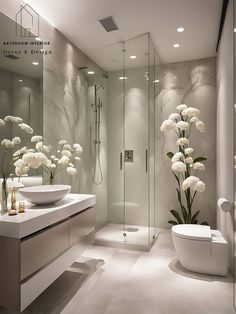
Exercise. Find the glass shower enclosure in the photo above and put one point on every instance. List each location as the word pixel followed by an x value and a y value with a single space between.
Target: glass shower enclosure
pixel 131 143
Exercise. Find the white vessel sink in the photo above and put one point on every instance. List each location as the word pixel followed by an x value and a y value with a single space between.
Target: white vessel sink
pixel 45 194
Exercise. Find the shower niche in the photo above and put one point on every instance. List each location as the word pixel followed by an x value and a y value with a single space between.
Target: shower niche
pixel 130 89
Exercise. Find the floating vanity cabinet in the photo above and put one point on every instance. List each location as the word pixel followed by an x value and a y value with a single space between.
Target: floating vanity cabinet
pixel 40 249
pixel 82 224
pixel 38 246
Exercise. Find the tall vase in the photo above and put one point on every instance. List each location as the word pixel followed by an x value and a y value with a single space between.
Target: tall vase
pixel 51 180
pixel 4 208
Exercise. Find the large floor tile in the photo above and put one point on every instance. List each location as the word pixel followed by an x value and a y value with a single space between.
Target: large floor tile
pixel 106 280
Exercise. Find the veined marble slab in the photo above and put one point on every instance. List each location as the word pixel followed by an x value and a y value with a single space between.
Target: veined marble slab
pixel 38 217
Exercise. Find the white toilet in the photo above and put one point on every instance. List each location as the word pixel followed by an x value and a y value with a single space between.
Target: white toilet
pixel 201 249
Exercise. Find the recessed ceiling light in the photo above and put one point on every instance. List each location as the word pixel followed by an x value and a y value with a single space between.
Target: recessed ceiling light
pixel 156 81
pixel 235 30
pixel 176 45
pixel 37 38
pixel 132 57
pixel 123 78
pixel 20 80
pixel 35 63
pixel 90 72
pixel 180 29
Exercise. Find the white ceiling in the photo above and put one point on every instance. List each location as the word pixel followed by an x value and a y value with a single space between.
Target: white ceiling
pixel 78 21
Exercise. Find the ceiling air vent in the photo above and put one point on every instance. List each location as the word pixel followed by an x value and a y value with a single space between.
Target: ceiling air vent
pixel 12 57
pixel 109 24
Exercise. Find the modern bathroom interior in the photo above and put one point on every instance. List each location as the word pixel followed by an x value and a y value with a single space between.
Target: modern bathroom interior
pixel 108 86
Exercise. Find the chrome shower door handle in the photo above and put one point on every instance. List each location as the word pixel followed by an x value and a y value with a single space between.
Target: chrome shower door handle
pixel 146 163
pixel 121 161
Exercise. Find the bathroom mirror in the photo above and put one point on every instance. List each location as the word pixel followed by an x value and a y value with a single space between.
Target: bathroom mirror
pixel 21 81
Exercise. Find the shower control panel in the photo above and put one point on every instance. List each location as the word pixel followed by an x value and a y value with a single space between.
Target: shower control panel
pixel 129 156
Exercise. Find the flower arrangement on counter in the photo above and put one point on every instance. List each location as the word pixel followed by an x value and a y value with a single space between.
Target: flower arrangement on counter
pixel 184 166
pixel 8 158
pixel 66 157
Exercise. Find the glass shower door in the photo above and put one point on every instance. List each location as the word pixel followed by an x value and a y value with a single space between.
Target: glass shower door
pixel 131 142
pixel 151 139
pixel 136 132
pixel 115 120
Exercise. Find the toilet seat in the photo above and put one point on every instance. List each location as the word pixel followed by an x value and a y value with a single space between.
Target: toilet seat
pixel 192 232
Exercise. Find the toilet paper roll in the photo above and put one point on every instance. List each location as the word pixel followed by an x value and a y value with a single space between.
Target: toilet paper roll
pixel 224 204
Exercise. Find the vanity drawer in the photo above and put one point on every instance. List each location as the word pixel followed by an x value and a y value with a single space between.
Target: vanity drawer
pixel 43 247
pixel 82 224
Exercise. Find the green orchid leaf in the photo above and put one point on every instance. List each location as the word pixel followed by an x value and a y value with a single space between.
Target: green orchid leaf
pixel 179 195
pixel 198 159
pixel 176 177
pixel 195 222
pixel 172 222
pixel 184 213
pixel 195 216
pixel 205 223
pixel 170 155
pixel 176 215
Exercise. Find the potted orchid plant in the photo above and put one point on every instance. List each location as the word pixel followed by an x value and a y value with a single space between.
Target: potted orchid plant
pixel 183 165
pixel 8 158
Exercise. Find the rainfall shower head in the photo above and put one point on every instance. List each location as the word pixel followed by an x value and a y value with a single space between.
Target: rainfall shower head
pixel 109 24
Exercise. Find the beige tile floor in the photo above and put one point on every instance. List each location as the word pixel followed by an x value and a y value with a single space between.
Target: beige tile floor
pixel 109 280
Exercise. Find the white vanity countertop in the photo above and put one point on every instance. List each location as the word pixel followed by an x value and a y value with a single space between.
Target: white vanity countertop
pixel 38 217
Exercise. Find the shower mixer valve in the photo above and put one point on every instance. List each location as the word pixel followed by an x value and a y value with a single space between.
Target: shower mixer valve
pixel 129 156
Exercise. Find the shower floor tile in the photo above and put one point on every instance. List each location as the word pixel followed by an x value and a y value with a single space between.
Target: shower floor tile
pixel 134 234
